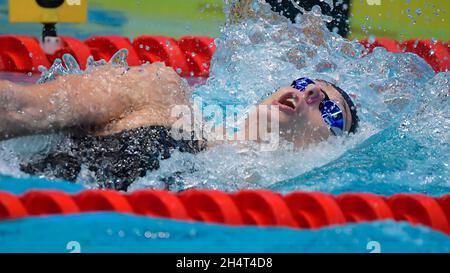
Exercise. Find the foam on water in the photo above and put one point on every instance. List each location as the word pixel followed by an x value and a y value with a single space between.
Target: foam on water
pixel 403 143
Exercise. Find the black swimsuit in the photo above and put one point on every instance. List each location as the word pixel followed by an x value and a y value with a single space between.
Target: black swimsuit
pixel 117 160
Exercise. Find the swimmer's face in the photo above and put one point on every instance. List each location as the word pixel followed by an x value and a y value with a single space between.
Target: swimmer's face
pixel 300 119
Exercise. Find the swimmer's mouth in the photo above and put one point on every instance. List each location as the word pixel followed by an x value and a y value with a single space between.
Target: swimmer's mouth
pixel 288 103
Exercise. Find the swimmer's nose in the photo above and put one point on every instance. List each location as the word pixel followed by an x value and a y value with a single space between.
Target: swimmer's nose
pixel 312 94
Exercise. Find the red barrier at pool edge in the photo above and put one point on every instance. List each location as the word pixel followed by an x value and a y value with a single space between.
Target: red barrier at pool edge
pixel 189 56
pixel 21 54
pixel 198 51
pixel 161 49
pixel 104 47
pixel 74 47
pixel 434 53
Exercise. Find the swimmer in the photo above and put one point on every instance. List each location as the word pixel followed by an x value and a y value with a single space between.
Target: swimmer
pixel 120 122
pixel 120 125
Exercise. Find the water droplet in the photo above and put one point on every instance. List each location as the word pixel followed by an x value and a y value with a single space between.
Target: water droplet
pixel 419 11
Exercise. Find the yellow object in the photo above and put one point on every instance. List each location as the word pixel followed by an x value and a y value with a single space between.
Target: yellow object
pixel 401 20
pixel 28 11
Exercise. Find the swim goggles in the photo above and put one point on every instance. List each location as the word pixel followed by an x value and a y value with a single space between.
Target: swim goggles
pixel 330 110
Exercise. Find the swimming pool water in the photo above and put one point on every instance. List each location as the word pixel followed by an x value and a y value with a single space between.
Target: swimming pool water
pixel 106 232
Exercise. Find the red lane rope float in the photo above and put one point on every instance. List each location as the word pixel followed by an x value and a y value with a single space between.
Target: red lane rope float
pixel 104 47
pixel 158 204
pixel 2 64
pixel 310 210
pixel 74 47
pixel 21 54
pixel 189 56
pixel 263 208
pixel 445 205
pixel 419 209
pixel 314 209
pixel 91 201
pixel 435 53
pixel 363 207
pixel 388 44
pixel 198 51
pixel 11 207
pixel 211 207
pixel 161 49
pixel 49 202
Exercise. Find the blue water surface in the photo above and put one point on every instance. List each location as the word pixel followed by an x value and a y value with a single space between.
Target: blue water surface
pixel 110 232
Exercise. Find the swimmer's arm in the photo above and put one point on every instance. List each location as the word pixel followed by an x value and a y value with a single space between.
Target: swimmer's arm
pixel 87 102
pixel 72 102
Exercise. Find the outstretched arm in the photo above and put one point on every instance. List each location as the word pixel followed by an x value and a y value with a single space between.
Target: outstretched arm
pixel 76 101
pixel 51 107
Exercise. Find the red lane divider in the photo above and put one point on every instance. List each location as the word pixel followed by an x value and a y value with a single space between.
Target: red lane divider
pixel 388 44
pixel 211 207
pixel 49 202
pixel 436 54
pixel 263 208
pixel 419 209
pixel 314 209
pixel 104 47
pixel 11 207
pixel 445 205
pixel 3 64
pixel 21 54
pixel 161 49
pixel 198 52
pixel 74 47
pixel 90 201
pixel 309 210
pixel 158 204
pixel 363 207
pixel 189 56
